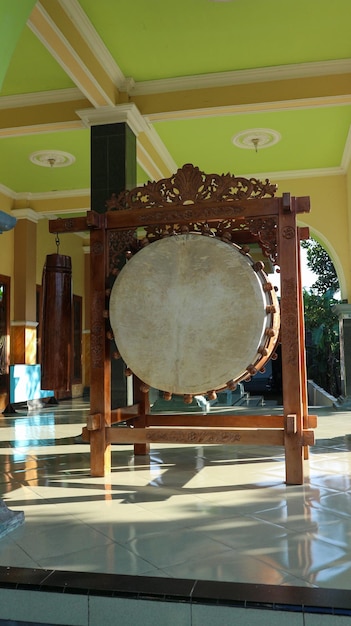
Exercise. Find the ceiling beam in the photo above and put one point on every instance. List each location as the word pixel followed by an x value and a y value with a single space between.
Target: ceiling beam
pixel 57 32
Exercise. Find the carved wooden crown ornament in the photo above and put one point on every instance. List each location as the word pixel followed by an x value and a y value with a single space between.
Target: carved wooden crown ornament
pixel 189 186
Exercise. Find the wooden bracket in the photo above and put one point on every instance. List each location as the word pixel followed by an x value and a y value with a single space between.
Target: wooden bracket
pixel 304 232
pixel 94 422
pixel 290 427
pixel 308 438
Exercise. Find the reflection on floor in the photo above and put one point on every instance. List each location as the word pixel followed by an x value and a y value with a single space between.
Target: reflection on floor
pixel 205 512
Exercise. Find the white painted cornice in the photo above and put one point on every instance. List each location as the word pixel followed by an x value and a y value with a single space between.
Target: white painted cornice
pixel 54 195
pixel 346 157
pixel 128 113
pixel 26 214
pixel 69 61
pixel 6 191
pixel 56 96
pixel 241 77
pixel 294 174
pixel 82 23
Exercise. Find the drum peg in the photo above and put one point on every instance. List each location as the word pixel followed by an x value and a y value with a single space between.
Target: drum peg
pixel 268 287
pixel 128 371
pixel 258 266
pixel 144 388
pixel 110 335
pixel 184 230
pixel 167 395
pixel 274 356
pixel 107 292
pixel 115 271
pixel 262 370
pixel 262 350
pixel 128 254
pixel 116 355
pixel 252 370
pixel 188 398
pixel 105 314
pixel 226 237
pixel 244 250
pixel 211 395
pixel 145 242
pixel 269 332
pixel 232 385
pixel 270 308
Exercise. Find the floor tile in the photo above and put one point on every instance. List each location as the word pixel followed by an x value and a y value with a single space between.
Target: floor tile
pixel 208 512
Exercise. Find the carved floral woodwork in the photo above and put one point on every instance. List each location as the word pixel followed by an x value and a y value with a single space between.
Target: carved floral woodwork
pixel 172 199
pixel 189 186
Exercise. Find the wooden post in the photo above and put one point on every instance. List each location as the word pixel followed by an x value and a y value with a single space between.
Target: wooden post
pixel 288 243
pixel 302 346
pixel 100 386
pixel 144 404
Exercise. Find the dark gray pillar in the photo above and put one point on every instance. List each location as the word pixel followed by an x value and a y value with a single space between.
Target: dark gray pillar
pixel 113 169
pixel 113 162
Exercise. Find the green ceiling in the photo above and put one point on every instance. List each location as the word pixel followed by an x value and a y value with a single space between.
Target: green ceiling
pixel 26 175
pixel 23 75
pixel 160 39
pixel 309 139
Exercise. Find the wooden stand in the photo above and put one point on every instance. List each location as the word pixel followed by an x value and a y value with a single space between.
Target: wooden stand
pixel 238 210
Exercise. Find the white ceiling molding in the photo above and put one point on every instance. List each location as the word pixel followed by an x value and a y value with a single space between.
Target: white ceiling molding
pixel 256 138
pixel 42 97
pixel 54 195
pixel 291 174
pixel 26 214
pixel 55 215
pixel 241 77
pixel 128 113
pixel 90 87
pixel 346 157
pixel 82 23
pixel 256 107
pixel 147 164
pixel 52 158
pixel 161 148
pixel 7 192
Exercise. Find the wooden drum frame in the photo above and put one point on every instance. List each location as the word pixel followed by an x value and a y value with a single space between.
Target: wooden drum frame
pixel 239 212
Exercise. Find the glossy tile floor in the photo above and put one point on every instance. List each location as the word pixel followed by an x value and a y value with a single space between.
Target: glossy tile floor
pixel 204 512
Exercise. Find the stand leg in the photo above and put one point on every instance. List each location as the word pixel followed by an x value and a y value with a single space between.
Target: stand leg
pixel 291 340
pixel 141 449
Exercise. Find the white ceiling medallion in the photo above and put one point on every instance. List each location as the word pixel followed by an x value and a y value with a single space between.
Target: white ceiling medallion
pixel 52 158
pixel 256 138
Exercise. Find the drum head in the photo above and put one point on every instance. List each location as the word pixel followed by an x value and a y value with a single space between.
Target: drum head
pixel 188 314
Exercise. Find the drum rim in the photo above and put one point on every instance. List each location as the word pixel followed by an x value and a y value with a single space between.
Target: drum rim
pixel 272 320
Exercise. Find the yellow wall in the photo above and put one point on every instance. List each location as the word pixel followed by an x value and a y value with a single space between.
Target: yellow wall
pixel 7 248
pixel 329 218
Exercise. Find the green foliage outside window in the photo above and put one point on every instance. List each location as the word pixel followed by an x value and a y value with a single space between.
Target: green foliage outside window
pixel 321 323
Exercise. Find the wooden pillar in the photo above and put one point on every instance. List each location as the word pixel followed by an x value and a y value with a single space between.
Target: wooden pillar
pixel 24 325
pixel 100 383
pixel 113 169
pixel 288 242
pixel 86 318
pixel 304 394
